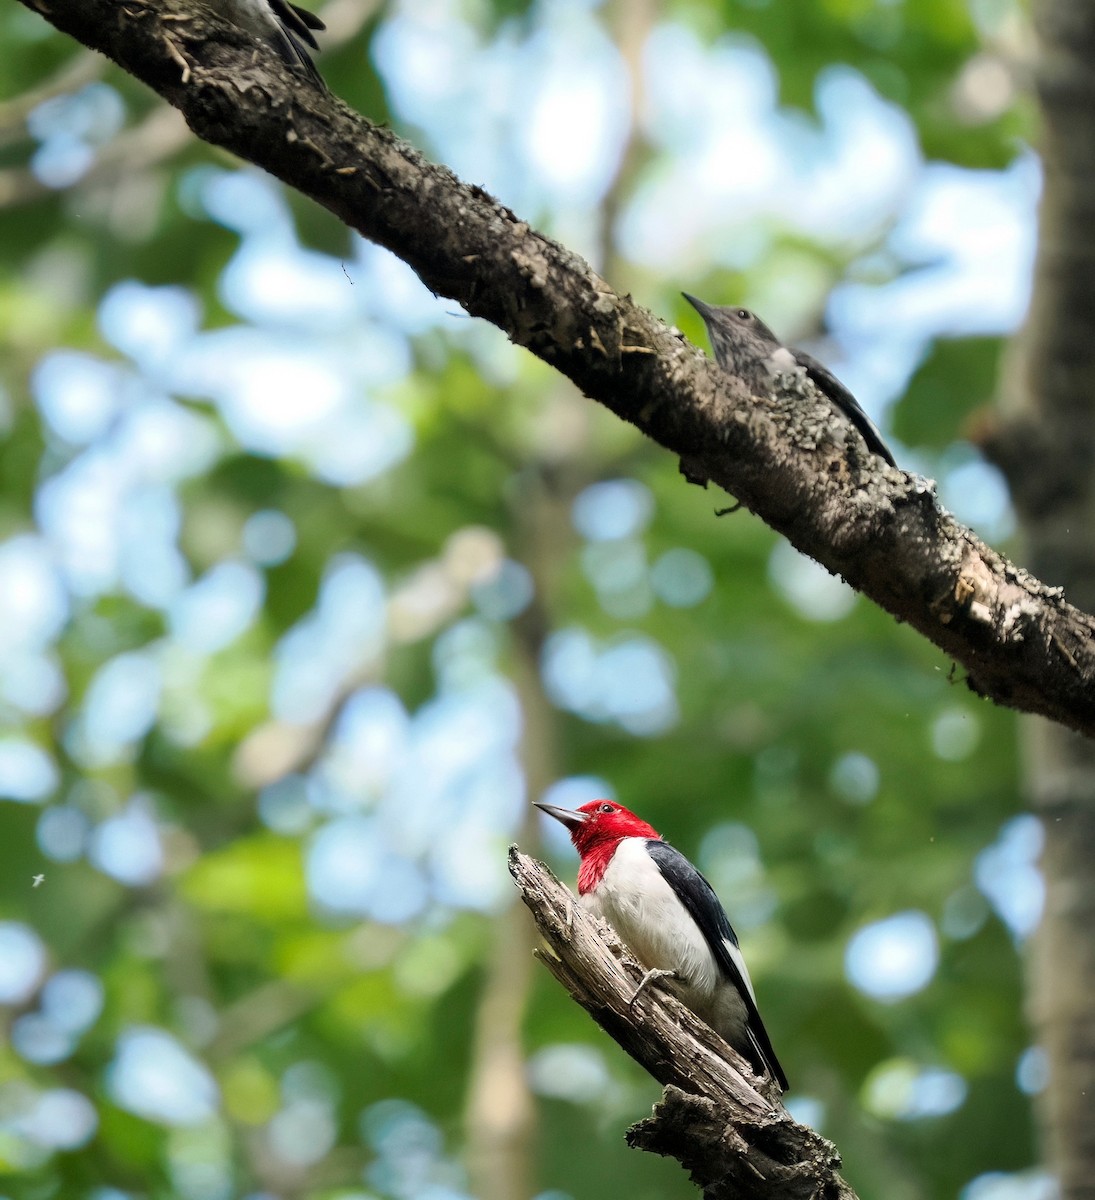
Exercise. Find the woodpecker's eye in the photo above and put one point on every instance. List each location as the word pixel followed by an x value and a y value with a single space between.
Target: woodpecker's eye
pixel 744 314
pixel 606 808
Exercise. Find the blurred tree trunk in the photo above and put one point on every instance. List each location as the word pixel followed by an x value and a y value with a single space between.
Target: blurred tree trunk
pixel 501 1111
pixel 1046 448
pixel 500 1116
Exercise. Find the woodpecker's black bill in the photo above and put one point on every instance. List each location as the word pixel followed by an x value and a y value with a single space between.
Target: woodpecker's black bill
pixel 572 820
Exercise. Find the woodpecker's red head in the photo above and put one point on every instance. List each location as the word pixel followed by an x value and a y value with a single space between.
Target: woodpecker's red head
pixel 596 829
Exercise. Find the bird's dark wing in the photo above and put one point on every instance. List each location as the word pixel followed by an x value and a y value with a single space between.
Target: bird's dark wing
pixel 296 25
pixel 827 382
pixel 699 898
pixel 297 21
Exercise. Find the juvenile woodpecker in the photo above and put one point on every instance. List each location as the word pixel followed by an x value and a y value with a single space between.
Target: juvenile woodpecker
pixel 740 338
pixel 670 918
pixel 283 25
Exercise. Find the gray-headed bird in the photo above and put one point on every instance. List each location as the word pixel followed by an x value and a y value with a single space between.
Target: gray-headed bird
pixel 739 337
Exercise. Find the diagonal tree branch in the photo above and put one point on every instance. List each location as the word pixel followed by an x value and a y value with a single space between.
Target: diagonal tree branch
pixel 731 1139
pixel 777 450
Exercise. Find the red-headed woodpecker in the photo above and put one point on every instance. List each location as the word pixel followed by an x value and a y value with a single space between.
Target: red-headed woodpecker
pixel 670 918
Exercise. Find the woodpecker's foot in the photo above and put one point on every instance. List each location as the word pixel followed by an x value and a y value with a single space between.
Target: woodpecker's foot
pixel 654 974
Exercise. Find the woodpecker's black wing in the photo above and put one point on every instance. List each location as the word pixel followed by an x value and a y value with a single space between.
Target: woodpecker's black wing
pixel 704 907
pixel 828 383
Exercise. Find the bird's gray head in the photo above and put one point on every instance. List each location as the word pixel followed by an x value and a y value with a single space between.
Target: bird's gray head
pixel 746 348
pixel 733 331
pixel 726 316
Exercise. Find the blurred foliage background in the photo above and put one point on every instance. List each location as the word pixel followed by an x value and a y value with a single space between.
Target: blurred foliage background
pixel 309 584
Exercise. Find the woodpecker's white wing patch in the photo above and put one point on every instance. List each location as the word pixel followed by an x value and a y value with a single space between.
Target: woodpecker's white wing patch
pixel 739 962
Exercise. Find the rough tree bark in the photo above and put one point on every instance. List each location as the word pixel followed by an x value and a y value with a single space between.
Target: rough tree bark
pixel 1021 644
pixel 1046 447
pixel 733 1141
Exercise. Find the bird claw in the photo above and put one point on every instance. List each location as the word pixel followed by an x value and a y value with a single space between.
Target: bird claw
pixel 654 974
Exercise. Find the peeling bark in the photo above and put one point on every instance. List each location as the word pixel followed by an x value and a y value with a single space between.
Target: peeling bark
pixel 781 454
pixel 713 1116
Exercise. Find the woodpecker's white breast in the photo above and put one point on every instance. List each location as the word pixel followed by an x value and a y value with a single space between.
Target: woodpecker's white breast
pixel 636 900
